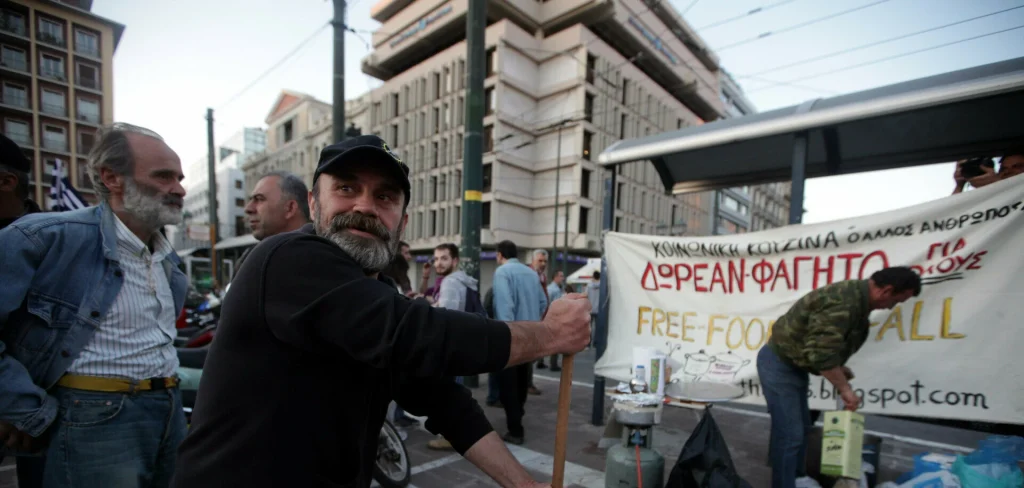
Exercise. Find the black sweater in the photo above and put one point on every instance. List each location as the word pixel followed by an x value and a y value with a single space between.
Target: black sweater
pixel 308 355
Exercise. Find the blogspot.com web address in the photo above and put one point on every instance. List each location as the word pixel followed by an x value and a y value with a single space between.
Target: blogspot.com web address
pixel 916 394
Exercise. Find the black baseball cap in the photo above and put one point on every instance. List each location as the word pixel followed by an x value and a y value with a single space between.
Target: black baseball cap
pixel 364 148
pixel 11 155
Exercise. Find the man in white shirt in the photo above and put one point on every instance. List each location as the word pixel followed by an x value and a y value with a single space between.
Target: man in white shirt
pixel 87 316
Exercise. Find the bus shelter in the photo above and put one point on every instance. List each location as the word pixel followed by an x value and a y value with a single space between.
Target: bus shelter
pixel 971 112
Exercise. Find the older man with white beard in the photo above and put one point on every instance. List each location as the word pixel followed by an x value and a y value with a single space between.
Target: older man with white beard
pixel 87 311
pixel 314 344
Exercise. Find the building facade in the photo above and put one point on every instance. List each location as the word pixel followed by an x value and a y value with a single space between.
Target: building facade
pixel 298 128
pixel 56 75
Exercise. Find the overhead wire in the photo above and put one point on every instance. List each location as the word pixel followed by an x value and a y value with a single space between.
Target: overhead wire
pixel 872 44
pixel 797 26
pixel 895 56
pixel 743 16
pixel 276 65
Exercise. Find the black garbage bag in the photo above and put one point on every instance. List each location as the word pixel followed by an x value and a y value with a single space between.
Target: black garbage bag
pixel 704 461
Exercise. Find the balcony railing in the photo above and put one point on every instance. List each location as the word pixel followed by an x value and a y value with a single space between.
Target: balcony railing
pixel 50 39
pixel 92 51
pixel 14 63
pixel 87 117
pixel 23 140
pixel 53 75
pixel 13 25
pixel 54 145
pixel 15 100
pixel 87 83
pixel 54 109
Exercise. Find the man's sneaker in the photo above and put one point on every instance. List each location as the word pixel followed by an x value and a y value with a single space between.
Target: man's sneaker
pixel 533 390
pixel 406 422
pixel 541 365
pixel 807 482
pixel 513 439
pixel 555 369
pixel 440 444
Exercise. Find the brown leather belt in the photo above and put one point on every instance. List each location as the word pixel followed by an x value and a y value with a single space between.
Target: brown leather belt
pixel 115 385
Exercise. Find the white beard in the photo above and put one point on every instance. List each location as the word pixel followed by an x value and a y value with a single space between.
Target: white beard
pixel 149 209
pixel 373 255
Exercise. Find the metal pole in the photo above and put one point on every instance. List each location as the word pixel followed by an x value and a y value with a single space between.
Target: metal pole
pixel 565 244
pixel 796 199
pixel 554 233
pixel 601 332
pixel 338 124
pixel 473 153
pixel 211 177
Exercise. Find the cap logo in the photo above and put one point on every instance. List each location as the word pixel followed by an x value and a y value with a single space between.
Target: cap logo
pixel 387 149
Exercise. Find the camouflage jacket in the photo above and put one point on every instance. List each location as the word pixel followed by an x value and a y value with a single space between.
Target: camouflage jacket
pixel 824 327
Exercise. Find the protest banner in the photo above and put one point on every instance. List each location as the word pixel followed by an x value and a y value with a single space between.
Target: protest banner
pixel 956 351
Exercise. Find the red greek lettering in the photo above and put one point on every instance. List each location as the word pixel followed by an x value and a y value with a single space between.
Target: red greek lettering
pixel 717 276
pixel 782 272
pixel 649 281
pixel 736 275
pixel 976 264
pixel 827 270
pixel 849 257
pixel 762 274
pixel 796 270
pixel 680 277
pixel 697 278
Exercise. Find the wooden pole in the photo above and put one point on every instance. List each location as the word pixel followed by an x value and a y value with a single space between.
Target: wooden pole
pixel 562 420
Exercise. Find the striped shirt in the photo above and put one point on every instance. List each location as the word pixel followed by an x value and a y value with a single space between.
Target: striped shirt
pixel 135 339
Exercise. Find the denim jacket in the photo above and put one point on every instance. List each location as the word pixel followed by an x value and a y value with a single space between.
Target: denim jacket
pixel 518 294
pixel 60 275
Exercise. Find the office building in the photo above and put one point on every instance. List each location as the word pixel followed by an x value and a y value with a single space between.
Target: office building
pixel 298 128
pixel 56 74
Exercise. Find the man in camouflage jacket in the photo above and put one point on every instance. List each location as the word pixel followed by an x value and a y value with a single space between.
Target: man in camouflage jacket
pixel 818 335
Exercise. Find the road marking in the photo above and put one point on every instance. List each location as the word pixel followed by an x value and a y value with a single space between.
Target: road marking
pixel 7 468
pixel 883 435
pixel 437 463
pixel 537 461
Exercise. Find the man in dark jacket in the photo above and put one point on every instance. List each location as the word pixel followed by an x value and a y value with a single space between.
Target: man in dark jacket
pixel 14 170
pixel 312 347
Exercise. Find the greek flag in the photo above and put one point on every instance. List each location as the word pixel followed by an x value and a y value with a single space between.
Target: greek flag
pixel 63 196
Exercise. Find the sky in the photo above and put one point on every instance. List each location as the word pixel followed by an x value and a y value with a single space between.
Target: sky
pixel 176 59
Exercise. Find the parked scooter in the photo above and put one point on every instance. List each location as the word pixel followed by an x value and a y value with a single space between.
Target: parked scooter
pixel 392 469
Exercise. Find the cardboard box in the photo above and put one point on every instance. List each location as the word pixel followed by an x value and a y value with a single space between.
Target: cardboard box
pixel 842 442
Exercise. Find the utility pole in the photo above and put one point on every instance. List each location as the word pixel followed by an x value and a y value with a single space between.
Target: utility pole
pixel 565 244
pixel 338 124
pixel 211 163
pixel 558 173
pixel 473 153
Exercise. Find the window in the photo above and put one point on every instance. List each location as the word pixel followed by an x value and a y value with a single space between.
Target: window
pixel 442 186
pixel 446 116
pixel 55 138
pixel 588 107
pixel 585 183
pixel 17 131
pixel 584 218
pixel 238 184
pixel 394 105
pixel 15 95
pixel 437 87
pixel 240 227
pixel 625 90
pixel 490 62
pixel 87 43
pixel 285 133
pixel 88 76
pixel 489 138
pixel 456 220
pixel 444 80
pixel 437 120
pixel 14 58
pixel 458 147
pixel 587 140
pixel 487 177
pixel 239 202
pixel 13 22
pixel 51 67
pixel 679 123
pixel 393 135
pixel 622 128
pixel 433 189
pixel 489 100
pixel 485 218
pixel 620 194
pixel 442 224
pixel 462 74
pixel 433 223
pixel 434 154
pixel 86 141
pixel 618 224
pixel 88 110
pixel 50 32
pixel 591 67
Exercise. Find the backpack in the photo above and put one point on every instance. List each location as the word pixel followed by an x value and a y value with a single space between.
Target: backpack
pixel 473 303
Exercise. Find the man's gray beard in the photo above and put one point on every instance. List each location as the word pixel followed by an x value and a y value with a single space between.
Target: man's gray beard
pixel 373 255
pixel 149 209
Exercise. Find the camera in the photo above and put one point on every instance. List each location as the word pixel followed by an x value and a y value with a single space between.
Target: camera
pixel 972 167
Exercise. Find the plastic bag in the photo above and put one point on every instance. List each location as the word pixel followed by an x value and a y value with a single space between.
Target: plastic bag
pixel 1009 447
pixel 704 461
pixel 984 469
pixel 932 479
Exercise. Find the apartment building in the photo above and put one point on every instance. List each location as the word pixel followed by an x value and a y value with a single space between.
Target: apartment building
pixel 564 80
pixel 56 75
pixel 298 127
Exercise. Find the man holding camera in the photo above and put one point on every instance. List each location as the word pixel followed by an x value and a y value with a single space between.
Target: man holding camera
pixel 982 171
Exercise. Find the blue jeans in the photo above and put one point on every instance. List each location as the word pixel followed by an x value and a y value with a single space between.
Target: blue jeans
pixel 114 440
pixel 492 388
pixel 785 391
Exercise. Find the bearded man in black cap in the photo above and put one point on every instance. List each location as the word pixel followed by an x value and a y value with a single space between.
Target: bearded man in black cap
pixel 14 169
pixel 313 344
